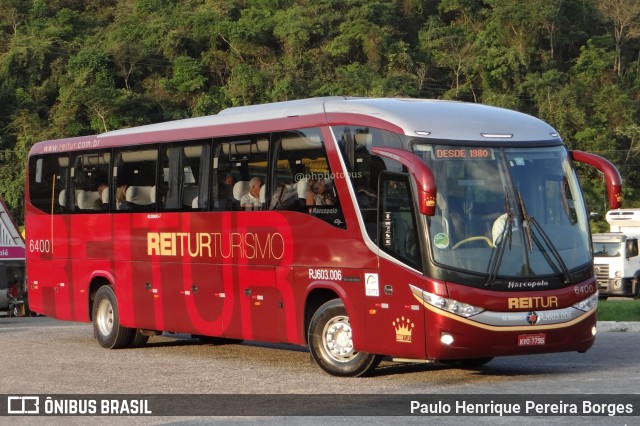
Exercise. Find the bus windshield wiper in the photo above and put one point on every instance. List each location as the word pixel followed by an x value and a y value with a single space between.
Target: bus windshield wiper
pixel 505 234
pixel 530 222
pixel 526 221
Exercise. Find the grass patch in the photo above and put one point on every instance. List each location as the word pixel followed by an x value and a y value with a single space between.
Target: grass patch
pixel 619 310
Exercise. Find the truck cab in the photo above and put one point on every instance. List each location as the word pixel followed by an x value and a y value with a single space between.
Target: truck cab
pixel 616 259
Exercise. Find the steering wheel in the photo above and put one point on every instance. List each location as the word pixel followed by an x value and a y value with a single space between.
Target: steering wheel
pixel 470 239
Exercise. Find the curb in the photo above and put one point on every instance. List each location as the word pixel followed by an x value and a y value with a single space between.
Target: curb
pixel 619 326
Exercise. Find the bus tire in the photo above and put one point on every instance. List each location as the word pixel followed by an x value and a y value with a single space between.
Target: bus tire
pixel 106 321
pixel 331 344
pixel 138 339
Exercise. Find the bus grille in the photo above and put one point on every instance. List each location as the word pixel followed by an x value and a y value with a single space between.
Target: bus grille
pixel 602 276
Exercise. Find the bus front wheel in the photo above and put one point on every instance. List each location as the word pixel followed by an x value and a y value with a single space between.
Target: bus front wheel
pixel 106 321
pixel 331 343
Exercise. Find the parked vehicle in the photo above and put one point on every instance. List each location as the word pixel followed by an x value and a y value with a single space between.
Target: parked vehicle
pixel 13 291
pixel 13 294
pixel 4 299
pixel 615 255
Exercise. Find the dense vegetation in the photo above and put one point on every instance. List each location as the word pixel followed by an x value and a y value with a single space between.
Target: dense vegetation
pixel 618 310
pixel 77 67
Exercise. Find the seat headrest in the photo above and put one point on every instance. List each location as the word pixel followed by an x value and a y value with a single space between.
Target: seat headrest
pixel 138 195
pixel 61 198
pixel 263 193
pixel 86 199
pixel 302 186
pixel 240 188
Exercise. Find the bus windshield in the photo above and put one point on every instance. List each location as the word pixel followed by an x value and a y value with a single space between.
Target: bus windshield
pixel 506 211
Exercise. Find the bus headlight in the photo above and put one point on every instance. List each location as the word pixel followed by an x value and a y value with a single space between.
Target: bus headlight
pixel 587 304
pixel 450 305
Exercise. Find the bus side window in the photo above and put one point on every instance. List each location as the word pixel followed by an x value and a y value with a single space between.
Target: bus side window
pixel 304 180
pixel 289 176
pixel 201 200
pixel 225 173
pixel 47 183
pixel 365 168
pixel 236 161
pixel 137 169
pixel 397 228
pixel 185 182
pixel 224 178
pixel 90 181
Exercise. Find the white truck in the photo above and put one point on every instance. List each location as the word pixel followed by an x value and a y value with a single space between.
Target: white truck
pixel 616 260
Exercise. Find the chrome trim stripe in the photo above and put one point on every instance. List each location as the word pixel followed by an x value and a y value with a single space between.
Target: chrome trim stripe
pixel 554 316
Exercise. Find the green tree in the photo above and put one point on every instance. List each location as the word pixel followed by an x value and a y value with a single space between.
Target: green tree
pixel 623 16
pixel 75 67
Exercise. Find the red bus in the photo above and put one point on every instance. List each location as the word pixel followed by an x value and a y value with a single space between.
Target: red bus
pixel 400 228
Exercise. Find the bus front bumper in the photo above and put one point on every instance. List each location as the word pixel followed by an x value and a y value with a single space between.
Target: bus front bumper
pixel 451 339
pixel 460 331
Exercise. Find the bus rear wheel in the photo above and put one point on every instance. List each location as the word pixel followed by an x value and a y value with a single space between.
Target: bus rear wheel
pixel 106 321
pixel 331 343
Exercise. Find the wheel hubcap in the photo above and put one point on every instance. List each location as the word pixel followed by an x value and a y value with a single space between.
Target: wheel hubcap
pixel 338 339
pixel 104 318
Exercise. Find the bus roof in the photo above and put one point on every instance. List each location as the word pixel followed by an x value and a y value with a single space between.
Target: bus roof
pixel 441 119
pixel 450 120
pixel 436 119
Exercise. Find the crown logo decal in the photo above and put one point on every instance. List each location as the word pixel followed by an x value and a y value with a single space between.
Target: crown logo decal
pixel 404 328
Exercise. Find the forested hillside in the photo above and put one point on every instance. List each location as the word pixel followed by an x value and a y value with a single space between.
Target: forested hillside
pixel 77 67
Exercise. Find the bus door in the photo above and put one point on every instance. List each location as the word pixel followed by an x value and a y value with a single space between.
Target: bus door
pixel 395 321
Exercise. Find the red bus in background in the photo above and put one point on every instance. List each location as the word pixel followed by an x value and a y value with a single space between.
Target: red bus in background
pixel 361 228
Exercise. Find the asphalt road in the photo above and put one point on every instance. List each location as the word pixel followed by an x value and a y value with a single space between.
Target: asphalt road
pixel 44 356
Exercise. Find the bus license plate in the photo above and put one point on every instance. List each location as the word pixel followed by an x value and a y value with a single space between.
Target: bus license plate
pixel 531 339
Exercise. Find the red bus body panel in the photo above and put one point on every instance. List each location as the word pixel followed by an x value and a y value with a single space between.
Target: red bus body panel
pixel 249 275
